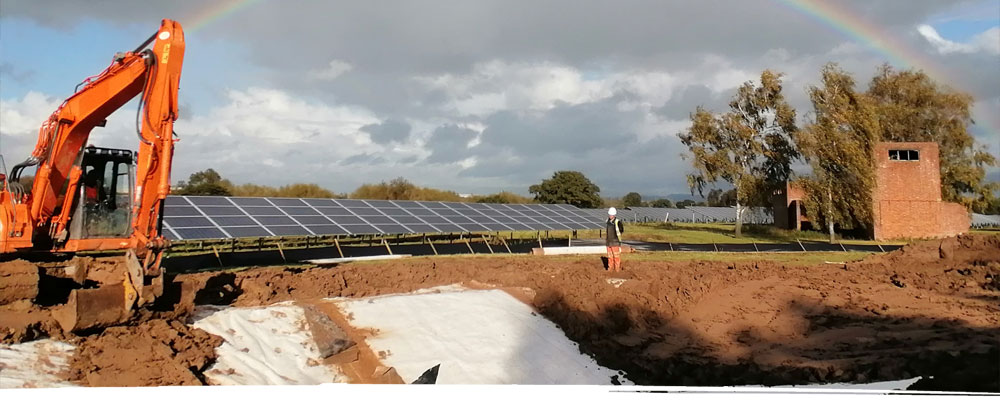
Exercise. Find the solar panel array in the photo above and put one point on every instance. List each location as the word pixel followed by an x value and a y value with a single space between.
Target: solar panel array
pixel 752 215
pixel 984 220
pixel 211 217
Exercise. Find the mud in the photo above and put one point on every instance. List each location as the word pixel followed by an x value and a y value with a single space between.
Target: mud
pixel 152 353
pixel 929 309
pixel 18 281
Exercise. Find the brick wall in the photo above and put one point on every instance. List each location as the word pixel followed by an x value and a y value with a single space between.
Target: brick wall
pixel 780 204
pixel 907 195
pixel 908 180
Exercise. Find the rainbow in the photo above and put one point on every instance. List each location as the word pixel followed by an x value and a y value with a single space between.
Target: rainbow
pixel 216 11
pixel 847 22
pixel 857 28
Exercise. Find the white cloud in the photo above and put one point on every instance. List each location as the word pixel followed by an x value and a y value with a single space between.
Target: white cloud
pixel 987 41
pixel 496 85
pixel 25 115
pixel 333 70
pixel 274 117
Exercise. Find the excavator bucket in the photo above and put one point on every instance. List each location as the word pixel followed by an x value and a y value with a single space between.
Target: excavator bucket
pixel 93 308
pixel 107 305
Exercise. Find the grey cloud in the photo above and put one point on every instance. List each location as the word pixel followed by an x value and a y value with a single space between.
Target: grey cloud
pixel 651 167
pixel 690 97
pixel 565 128
pixel 8 71
pixel 363 158
pixel 449 143
pixel 388 131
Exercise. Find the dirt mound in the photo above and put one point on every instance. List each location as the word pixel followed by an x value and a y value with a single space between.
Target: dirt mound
pixel 951 264
pixel 23 321
pixel 18 281
pixel 153 353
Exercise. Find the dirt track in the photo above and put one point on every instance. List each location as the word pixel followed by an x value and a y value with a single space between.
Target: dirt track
pixel 931 309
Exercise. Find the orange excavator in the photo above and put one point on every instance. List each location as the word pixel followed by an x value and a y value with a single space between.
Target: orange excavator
pixel 86 198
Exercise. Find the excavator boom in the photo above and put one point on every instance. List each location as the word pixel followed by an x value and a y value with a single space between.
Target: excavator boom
pixel 84 198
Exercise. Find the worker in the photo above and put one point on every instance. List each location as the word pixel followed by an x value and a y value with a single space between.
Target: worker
pixel 91 188
pixel 613 240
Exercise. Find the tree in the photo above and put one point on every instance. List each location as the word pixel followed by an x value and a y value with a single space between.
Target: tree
pixel 503 198
pixel 204 183
pixel 750 146
pixel 913 108
pixel 686 203
pixel 402 189
pixel 838 146
pixel 306 190
pixel 568 187
pixel 714 197
pixel 662 203
pixel 718 198
pixel 632 199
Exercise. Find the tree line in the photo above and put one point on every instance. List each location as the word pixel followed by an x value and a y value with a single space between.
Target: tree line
pixel 754 144
pixel 211 183
pixel 565 187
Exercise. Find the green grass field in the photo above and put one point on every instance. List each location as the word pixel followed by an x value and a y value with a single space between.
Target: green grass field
pixel 707 233
pixel 804 258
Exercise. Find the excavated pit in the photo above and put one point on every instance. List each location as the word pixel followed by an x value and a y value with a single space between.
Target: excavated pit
pixel 929 309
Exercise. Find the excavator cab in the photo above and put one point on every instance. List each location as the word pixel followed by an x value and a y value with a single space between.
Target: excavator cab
pixel 105 194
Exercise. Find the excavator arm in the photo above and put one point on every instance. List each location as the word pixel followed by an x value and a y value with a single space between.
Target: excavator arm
pixel 38 221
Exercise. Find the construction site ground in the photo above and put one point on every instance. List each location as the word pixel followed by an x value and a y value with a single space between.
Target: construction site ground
pixel 930 310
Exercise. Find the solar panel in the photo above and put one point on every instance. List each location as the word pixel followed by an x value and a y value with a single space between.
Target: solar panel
pixel 204 217
pixel 984 220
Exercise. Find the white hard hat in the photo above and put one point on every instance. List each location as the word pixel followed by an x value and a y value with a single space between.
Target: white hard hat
pixel 612 211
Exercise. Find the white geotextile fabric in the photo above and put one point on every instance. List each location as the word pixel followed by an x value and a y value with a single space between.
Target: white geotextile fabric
pixel 34 364
pixel 264 346
pixel 478 337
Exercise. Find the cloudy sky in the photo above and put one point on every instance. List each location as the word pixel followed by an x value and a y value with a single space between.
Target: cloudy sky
pixel 474 96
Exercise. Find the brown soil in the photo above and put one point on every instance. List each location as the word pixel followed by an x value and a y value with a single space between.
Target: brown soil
pixel 930 309
pixel 152 353
pixel 18 281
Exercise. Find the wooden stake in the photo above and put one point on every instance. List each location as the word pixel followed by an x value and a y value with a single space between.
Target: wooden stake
pixel 505 245
pixel 755 249
pixel 217 257
pixel 487 244
pixel 431 242
pixel 336 242
pixel 282 252
pixel 540 242
pixel 800 244
pixel 386 243
pixel 470 246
